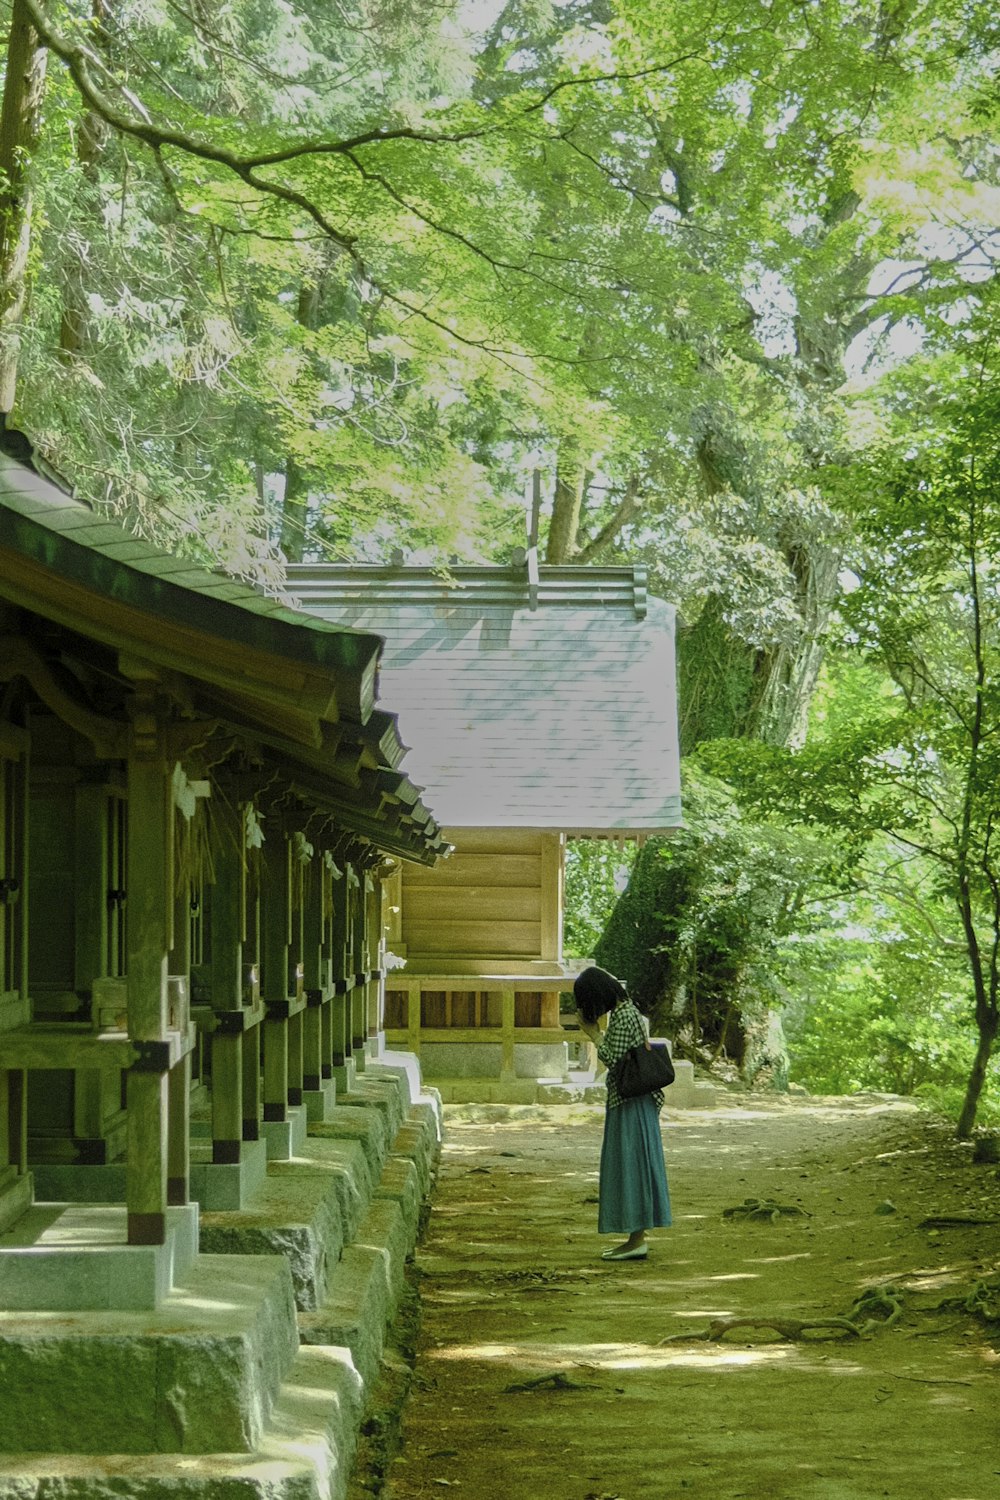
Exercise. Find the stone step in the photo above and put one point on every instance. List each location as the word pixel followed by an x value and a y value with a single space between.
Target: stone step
pixel 344 1214
pixel 379 1092
pixel 310 1208
pixel 365 1288
pixel 75 1257
pixel 199 1374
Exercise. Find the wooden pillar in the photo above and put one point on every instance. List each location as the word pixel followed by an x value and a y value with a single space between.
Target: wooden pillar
pixel 179 1136
pixel 339 928
pixel 276 918
pixel 227 1095
pixel 146 1169
pixel 312 974
pixel 275 935
pixel 251 1084
pixel 413 1015
pixel 553 854
pixel 90 946
pixel 295 1057
pixel 326 1037
pixel 150 911
pixel 373 953
pixel 227 913
pixel 359 948
pixel 312 1040
pixel 275 1067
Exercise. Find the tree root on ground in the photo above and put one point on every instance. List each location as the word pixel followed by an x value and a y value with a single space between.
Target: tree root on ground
pixel 880 1305
pixel 763 1209
pixel 981 1301
pixel 557 1381
pixel 874 1308
pixel 952 1221
pixel 791 1329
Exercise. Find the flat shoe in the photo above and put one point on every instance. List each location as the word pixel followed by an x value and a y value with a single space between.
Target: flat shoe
pixel 639 1253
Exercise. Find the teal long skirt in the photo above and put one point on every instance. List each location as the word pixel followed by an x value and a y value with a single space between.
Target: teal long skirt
pixel 634 1193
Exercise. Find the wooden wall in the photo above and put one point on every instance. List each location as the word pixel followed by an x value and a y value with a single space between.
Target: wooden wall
pixel 499 896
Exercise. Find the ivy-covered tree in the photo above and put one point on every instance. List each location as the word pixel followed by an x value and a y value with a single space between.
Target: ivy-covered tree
pixel 698 933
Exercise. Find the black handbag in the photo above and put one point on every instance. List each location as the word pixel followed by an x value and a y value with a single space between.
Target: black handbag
pixel 643 1070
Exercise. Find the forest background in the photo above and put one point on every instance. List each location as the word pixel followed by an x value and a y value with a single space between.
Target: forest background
pixel 340 279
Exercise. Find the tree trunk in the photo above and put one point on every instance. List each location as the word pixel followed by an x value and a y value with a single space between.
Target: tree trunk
pixel 20 121
pixel 294 512
pixel 567 502
pixel 91 136
pixel 987 1026
pixel 295 505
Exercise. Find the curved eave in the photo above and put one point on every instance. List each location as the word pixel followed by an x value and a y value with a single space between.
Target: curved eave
pixel 301 688
pixel 91 576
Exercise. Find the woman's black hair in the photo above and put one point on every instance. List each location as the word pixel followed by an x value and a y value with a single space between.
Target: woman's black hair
pixel 596 992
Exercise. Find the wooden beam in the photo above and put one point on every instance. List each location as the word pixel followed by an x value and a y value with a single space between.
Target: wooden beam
pixel 550 943
pixel 57 1044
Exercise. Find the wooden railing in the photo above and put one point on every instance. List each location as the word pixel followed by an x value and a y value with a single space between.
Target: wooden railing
pixel 474 1008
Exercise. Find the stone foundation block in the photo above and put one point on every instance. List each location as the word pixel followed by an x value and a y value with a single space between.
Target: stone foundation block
pixel 364 1289
pixel 227 1185
pixel 360 1122
pixel 402 1065
pixel 285 1138
pixel 416 1144
pixel 199 1375
pixel 305 1453
pixel 344 1075
pixel 446 1060
pixel 357 1312
pixel 401 1182
pixel 536 1062
pixel 385 1231
pixel 75 1257
pixel 429 1108
pixel 385 1094
pixel 345 1171
pixel 319 1102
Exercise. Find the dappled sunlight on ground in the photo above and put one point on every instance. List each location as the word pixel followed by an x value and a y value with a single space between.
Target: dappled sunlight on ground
pixel 577 1358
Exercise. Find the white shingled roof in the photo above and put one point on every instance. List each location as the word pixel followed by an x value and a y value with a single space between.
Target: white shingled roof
pixel 562 715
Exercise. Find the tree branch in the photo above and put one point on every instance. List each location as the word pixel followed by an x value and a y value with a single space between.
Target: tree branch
pixel 626 510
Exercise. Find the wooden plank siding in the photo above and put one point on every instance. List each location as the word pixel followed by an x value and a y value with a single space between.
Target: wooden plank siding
pixel 486 900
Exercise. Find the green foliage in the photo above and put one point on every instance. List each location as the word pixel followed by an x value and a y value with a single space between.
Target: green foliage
pixel 697 933
pixel 383 267
pixel 597 872
pixel 908 749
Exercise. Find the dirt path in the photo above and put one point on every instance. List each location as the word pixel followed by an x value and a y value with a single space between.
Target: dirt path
pixel 514 1294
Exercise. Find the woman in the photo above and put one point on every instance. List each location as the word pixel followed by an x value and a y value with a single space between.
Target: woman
pixel 633 1183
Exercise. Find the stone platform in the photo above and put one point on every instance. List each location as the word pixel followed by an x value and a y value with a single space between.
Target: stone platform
pixel 572 1088
pixel 74 1257
pixel 225 1402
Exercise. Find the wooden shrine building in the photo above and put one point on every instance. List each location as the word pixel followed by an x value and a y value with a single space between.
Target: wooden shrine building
pixel 195 785
pixel 540 705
